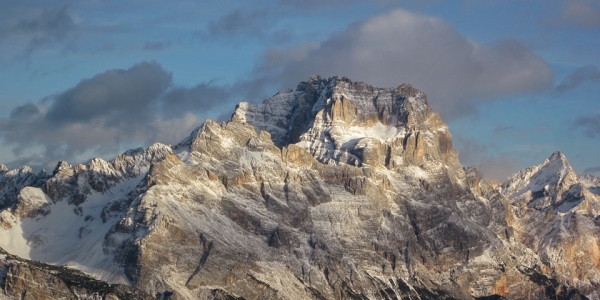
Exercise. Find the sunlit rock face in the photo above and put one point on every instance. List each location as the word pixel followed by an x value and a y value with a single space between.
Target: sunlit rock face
pixel 343 122
pixel 555 214
pixel 335 190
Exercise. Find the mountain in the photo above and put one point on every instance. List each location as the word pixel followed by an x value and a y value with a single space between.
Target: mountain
pixel 591 182
pixel 551 185
pixel 334 190
pixel 556 215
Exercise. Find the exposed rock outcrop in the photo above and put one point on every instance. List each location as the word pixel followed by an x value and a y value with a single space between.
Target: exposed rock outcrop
pixel 336 190
pixel 555 215
pixel 25 279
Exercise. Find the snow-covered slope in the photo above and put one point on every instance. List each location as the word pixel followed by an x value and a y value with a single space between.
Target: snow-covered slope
pixel 555 214
pixel 343 122
pixel 591 182
pixel 335 190
pixel 551 185
pixel 63 221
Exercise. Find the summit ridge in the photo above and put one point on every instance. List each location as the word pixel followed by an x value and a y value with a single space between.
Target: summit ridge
pixel 334 190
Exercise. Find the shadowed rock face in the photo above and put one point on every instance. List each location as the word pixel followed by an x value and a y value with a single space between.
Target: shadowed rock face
pixel 337 190
pixel 24 279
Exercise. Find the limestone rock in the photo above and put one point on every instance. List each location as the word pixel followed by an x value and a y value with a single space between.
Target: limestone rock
pixel 555 215
pixel 335 190
pixel 24 279
pixel 32 202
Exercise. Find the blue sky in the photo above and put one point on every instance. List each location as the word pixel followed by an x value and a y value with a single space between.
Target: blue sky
pixel 514 80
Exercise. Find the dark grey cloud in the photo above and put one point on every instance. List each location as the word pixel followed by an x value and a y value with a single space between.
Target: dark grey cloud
pixel 423 51
pixel 156 46
pixel 49 26
pixel 583 75
pixel 116 95
pixel 26 111
pixel 590 125
pixel 138 105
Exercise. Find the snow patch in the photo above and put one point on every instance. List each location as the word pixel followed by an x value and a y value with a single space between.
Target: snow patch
pixel 69 235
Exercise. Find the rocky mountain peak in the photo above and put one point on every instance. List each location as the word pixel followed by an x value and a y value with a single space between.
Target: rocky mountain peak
pixel 334 190
pixel 3 168
pixel 61 166
pixel 550 185
pixel 558 155
pixel 341 122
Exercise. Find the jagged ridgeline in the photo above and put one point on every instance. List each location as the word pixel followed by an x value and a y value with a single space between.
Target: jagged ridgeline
pixel 335 190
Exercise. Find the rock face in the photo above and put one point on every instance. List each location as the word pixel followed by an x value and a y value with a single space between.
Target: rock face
pixel 556 215
pixel 343 122
pixel 23 279
pixel 337 190
pixel 592 183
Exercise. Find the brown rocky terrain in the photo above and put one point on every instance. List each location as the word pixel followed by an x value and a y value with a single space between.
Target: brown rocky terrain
pixel 336 190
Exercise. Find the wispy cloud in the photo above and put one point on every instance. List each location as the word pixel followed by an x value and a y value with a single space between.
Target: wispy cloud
pixel 582 75
pixel 496 167
pixel 156 46
pixel 259 24
pixel 592 170
pixel 590 125
pixel 239 22
pixel 578 14
pixel 48 27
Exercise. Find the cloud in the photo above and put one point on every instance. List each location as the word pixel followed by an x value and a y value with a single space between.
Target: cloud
pixel 116 95
pixel 114 109
pixel 591 170
pixel 239 22
pixel 260 24
pixel 156 46
pixel 426 52
pixel 496 167
pixel 582 75
pixel 501 130
pixel 43 72
pixel 54 24
pixel 311 4
pixel 590 125
pixel 49 26
pixel 579 15
pixel 316 4
pixel 203 97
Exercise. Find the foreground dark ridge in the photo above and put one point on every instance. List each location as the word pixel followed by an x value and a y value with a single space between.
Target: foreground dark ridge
pixel 337 190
